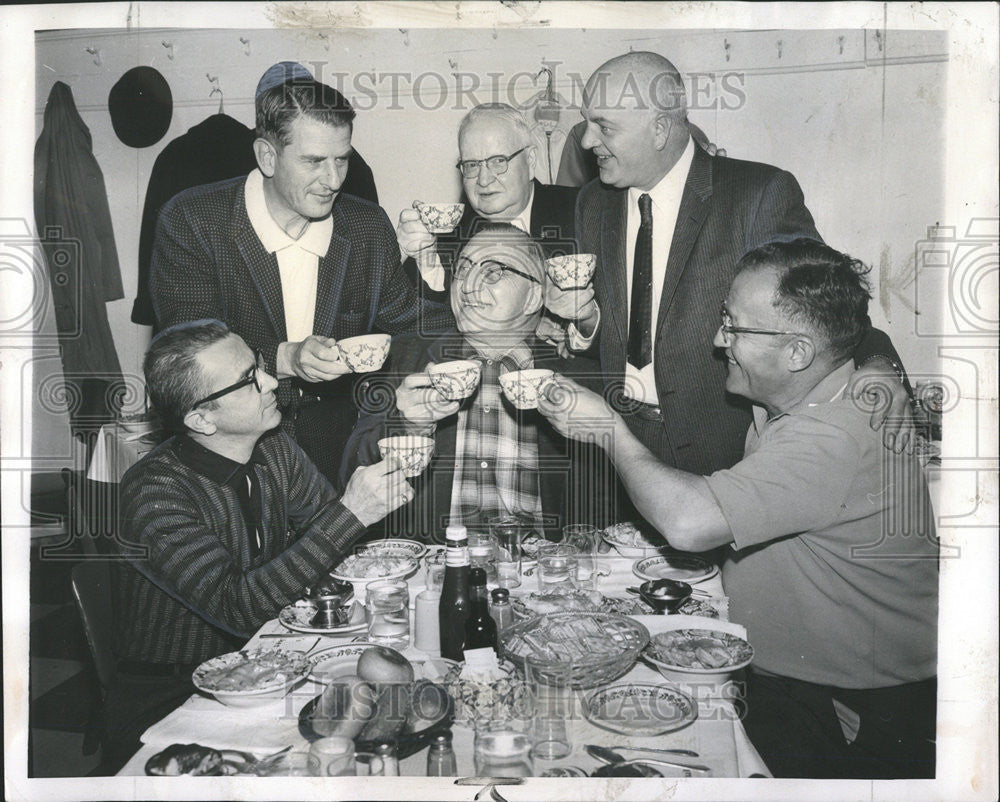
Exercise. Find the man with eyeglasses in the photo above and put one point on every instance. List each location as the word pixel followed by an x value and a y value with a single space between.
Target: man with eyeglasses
pixel 668 223
pixel 490 458
pixel 221 526
pixel 833 558
pixel 496 162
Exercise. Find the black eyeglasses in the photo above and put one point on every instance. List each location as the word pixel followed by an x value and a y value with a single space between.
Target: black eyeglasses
pixel 252 378
pixel 728 329
pixel 497 164
pixel 492 271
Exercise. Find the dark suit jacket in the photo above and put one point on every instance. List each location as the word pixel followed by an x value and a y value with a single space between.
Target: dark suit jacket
pixel 552 226
pixel 575 479
pixel 209 262
pixel 728 208
pixel 217 148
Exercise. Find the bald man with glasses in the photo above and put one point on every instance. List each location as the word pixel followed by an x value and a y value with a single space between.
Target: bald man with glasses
pixel 221 526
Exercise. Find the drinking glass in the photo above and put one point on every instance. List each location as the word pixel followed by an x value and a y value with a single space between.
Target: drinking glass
pixel 291 764
pixel 585 539
pixel 482 554
pixel 389 613
pixel 551 703
pixel 501 750
pixel 335 754
pixel 557 567
pixel 507 532
pixel 434 563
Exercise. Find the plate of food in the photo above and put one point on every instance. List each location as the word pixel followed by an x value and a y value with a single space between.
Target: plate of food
pixel 395 546
pixel 298 617
pixel 250 678
pixel 697 653
pixel 384 698
pixel 639 709
pixel 631 541
pixel 364 568
pixel 684 567
pixel 532 604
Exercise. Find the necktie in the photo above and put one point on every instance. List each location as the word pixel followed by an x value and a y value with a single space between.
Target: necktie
pixel 640 320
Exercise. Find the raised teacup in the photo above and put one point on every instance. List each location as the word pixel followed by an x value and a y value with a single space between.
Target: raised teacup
pixel 522 387
pixel 364 353
pixel 440 218
pixel 572 271
pixel 456 379
pixel 412 451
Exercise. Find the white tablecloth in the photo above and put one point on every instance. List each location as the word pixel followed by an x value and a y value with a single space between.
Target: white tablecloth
pixel 717 735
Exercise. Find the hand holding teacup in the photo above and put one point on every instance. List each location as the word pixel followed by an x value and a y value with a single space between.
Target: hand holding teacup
pixel 412 234
pixel 573 410
pixel 313 359
pixel 420 402
pixel 569 291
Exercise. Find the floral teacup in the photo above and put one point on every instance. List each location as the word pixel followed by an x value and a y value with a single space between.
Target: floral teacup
pixel 455 380
pixel 440 218
pixel 364 353
pixel 522 387
pixel 413 452
pixel 571 271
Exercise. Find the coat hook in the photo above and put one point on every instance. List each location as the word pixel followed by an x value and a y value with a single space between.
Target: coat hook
pixel 246 45
pixel 726 46
pixel 325 38
pixel 406 36
pixel 453 63
pixel 840 44
pixel 96 54
pixel 878 40
pixel 780 44
pixel 170 49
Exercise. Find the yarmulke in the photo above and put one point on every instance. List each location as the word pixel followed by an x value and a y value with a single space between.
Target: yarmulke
pixel 278 73
pixel 141 106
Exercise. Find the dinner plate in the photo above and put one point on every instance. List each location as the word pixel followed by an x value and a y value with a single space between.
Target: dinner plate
pixel 685 567
pixel 297 617
pixel 639 709
pixel 397 545
pixel 365 568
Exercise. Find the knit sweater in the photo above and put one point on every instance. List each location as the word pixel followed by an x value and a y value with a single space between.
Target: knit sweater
pixel 192 590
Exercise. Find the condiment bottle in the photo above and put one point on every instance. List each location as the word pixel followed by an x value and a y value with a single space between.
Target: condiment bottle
pixel 480 628
pixel 501 610
pixel 441 757
pixel 454 605
pixel 390 763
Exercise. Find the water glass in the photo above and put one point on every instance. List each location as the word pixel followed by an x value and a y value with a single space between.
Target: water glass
pixel 557 567
pixel 585 539
pixel 388 613
pixel 335 755
pixel 291 764
pixel 508 532
pixel 551 699
pixel 502 751
pixel 482 554
pixel 434 565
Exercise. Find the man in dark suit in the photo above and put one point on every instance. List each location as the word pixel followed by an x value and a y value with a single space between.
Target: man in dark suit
pixel 489 457
pixel 497 161
pixel 291 264
pixel 679 219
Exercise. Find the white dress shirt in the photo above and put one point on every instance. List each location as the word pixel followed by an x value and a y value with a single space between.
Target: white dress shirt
pixel 298 259
pixel 666 203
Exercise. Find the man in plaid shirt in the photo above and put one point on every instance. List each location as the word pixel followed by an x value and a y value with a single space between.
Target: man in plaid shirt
pixel 490 458
pixel 222 525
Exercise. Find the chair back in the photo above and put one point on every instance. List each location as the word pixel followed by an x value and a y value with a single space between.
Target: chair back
pixel 91 581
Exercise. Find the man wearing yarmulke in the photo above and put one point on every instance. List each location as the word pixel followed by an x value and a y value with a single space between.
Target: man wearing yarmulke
pixel 289 262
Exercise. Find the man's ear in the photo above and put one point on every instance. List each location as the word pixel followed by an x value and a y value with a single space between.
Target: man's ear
pixel 535 299
pixel 662 127
pixel 532 157
pixel 197 421
pixel 800 353
pixel 267 155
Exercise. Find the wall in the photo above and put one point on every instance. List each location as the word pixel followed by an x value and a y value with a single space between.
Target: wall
pixel 856 115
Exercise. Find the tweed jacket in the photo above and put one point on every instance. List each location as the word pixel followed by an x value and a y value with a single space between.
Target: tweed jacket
pixel 193 590
pixel 209 262
pixel 552 225
pixel 575 479
pixel 728 207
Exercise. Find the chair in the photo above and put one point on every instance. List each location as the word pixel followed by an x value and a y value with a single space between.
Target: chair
pixel 91 581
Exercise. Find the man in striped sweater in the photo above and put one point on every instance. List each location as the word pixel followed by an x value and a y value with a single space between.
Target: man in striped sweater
pixel 222 525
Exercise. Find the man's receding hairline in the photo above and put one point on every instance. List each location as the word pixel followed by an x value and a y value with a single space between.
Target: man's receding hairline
pixel 647 70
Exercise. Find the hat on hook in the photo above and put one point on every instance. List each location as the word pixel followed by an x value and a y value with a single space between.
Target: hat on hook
pixel 280 73
pixel 141 106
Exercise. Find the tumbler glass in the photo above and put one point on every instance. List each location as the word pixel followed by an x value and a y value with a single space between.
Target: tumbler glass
pixel 585 539
pixel 482 553
pixel 389 613
pixel 552 706
pixel 557 567
pixel 508 532
pixel 291 764
pixel 501 750
pixel 335 754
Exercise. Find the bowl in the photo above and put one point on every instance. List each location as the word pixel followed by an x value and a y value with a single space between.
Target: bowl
pixel 664 594
pixel 632 542
pixel 412 451
pixel 393 545
pixel 364 353
pixel 440 218
pixel 679 654
pixel 220 677
pixel 455 380
pixel 522 387
pixel 571 271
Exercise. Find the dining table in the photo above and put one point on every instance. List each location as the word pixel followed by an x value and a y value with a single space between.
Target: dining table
pixel 716 733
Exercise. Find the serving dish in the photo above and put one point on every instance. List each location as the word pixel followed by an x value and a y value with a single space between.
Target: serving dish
pixel 364 568
pixel 696 654
pixel 394 546
pixel 251 678
pixel 684 567
pixel 639 709
pixel 631 541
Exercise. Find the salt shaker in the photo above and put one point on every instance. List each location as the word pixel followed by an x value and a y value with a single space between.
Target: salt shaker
pixel 390 763
pixel 501 610
pixel 441 757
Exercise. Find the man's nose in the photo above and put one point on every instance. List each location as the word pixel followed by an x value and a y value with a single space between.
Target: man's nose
pixel 332 177
pixel 588 140
pixel 267 383
pixel 720 340
pixel 485 177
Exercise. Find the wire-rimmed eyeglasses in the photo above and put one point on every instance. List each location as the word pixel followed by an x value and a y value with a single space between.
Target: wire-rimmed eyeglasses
pixel 728 329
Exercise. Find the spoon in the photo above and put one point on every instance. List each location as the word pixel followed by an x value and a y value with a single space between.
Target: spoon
pixel 606 755
pixel 685 752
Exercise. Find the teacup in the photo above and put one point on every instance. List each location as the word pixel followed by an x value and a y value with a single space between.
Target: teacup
pixel 440 218
pixel 412 451
pixel 572 271
pixel 364 353
pixel 455 380
pixel 522 387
